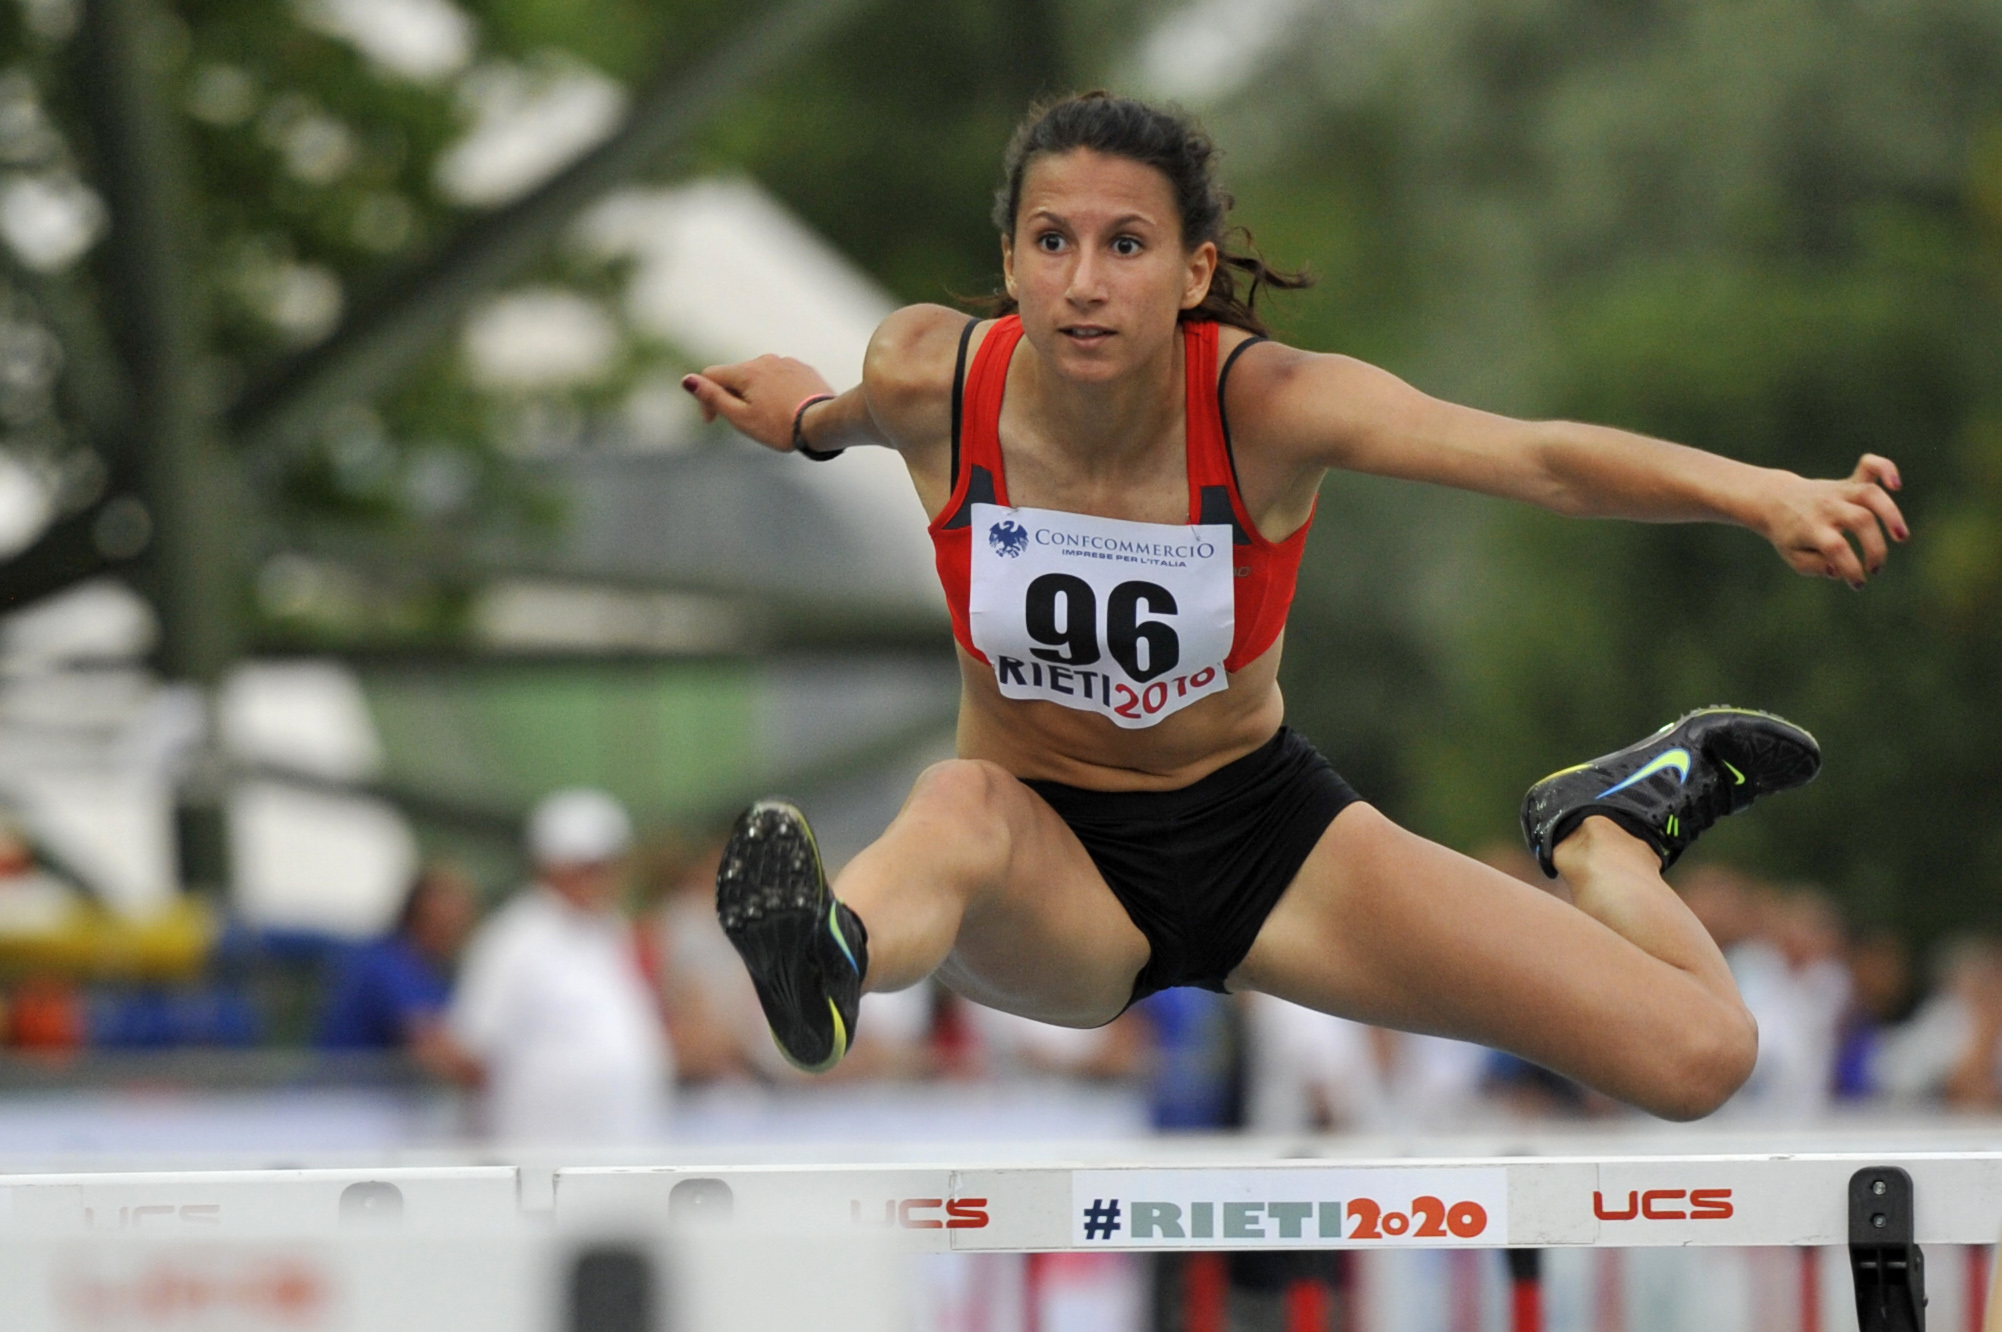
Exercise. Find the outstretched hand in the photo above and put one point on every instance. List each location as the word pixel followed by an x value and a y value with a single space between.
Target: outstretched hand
pixel 1814 523
pixel 758 397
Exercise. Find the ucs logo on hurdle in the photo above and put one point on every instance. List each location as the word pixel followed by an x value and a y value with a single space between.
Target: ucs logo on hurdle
pixel 1281 1208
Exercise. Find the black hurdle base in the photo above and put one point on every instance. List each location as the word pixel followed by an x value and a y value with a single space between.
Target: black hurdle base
pixel 1887 1264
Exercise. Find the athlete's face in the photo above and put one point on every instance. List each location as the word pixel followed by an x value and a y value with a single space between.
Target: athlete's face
pixel 1097 263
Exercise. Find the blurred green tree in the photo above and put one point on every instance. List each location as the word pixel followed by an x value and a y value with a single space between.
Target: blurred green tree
pixel 1767 229
pixel 281 214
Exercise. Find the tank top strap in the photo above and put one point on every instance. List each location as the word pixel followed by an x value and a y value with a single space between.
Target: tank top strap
pixel 1212 480
pixel 1209 461
pixel 986 385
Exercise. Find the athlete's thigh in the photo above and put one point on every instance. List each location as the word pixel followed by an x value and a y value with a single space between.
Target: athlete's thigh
pixel 1386 927
pixel 1049 941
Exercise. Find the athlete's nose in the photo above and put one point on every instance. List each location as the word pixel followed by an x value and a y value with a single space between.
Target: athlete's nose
pixel 1087 285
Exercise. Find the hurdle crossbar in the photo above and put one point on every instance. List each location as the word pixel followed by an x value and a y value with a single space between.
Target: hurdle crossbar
pixel 1499 1202
pixel 1881 1207
pixel 199 1204
pixel 1455 1202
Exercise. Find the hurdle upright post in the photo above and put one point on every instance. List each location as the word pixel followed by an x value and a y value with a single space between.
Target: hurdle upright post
pixel 1525 1289
pixel 1888 1266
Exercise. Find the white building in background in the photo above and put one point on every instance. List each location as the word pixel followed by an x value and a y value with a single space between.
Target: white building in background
pixel 92 746
pixel 672 531
pixel 724 272
pixel 90 742
pixel 305 853
pixel 721 272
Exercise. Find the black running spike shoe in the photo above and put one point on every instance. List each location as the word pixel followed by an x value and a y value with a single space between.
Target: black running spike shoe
pixel 806 951
pixel 1671 786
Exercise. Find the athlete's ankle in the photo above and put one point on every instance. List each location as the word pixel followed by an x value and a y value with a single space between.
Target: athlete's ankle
pixel 853 936
pixel 1599 844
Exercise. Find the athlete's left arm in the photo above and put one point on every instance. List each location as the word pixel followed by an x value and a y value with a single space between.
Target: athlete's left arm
pixel 1306 411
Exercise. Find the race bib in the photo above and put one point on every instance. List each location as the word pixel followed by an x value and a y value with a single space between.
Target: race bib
pixel 1129 620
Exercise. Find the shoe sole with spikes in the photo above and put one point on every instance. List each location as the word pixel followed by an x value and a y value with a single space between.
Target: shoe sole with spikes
pixel 805 950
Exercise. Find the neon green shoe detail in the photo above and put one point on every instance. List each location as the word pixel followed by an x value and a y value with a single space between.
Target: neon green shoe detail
pixel 1668 788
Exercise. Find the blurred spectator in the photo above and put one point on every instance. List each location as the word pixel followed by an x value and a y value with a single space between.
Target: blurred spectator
pixel 712 1008
pixel 1529 1090
pixel 1723 904
pixel 553 1015
pixel 1302 1070
pixel 1880 979
pixel 1796 983
pixel 1809 933
pixel 1309 1071
pixel 714 1027
pixel 1949 1048
pixel 1785 950
pixel 390 993
pixel 892 1034
pixel 1788 950
pixel 1197 1073
pixel 1010 1046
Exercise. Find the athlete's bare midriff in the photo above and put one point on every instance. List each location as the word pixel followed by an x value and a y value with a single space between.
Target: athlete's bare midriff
pixel 1054 743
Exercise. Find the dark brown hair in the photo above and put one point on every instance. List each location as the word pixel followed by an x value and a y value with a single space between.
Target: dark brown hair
pixel 1172 143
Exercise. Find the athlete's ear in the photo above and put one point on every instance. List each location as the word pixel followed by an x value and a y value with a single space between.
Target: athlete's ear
pixel 1008 266
pixel 1202 267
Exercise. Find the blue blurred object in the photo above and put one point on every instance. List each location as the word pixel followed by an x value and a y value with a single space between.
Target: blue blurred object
pixel 1856 1061
pixel 1195 1083
pixel 1551 1093
pixel 152 1018
pixel 378 988
pixel 281 945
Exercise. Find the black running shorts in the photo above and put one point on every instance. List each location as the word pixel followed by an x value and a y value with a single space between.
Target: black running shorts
pixel 1199 869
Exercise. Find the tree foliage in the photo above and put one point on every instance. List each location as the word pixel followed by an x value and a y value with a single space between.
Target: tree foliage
pixel 332 177
pixel 1772 228
pixel 1767 229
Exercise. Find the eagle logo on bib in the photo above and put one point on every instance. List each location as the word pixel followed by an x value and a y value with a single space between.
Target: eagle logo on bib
pixel 1008 538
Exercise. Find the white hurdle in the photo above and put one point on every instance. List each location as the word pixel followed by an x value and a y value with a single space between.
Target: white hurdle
pixel 1881 1206
pixel 1498 1202
pixel 1217 1195
pixel 198 1204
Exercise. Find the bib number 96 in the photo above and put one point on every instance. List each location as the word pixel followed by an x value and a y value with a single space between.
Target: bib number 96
pixel 1133 621
pixel 1061 612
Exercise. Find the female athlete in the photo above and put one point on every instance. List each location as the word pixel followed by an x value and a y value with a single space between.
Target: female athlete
pixel 1121 472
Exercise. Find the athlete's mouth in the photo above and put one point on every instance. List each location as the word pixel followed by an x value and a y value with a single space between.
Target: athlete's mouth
pixel 1086 332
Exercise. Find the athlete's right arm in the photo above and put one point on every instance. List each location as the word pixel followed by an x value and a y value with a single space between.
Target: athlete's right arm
pixel 904 400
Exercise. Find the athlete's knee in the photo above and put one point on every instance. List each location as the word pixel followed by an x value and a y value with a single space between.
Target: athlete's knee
pixel 972 786
pixel 1712 1057
pixel 973 796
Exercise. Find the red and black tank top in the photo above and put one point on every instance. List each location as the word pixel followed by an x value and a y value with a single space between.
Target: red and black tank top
pixel 1111 558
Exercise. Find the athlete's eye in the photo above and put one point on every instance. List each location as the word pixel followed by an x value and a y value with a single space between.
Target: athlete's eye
pixel 1050 242
pixel 1126 246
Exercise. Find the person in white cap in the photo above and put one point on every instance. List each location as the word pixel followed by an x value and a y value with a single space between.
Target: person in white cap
pixel 552 1010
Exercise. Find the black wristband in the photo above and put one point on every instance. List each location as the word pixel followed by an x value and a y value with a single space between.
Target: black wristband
pixel 799 444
